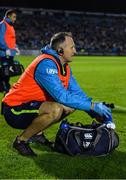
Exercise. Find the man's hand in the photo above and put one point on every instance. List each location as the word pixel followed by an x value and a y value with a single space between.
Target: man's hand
pixel 8 52
pixel 101 109
pixel 102 114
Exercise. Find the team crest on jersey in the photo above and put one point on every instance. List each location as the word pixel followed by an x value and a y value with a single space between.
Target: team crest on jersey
pixel 51 71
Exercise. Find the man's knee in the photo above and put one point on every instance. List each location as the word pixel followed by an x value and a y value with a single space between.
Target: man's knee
pixel 57 111
pixel 67 110
pixel 53 109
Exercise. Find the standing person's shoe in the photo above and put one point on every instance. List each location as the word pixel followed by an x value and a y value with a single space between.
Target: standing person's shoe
pixel 41 139
pixel 23 148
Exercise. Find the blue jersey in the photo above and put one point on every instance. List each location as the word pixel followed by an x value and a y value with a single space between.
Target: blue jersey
pixel 46 75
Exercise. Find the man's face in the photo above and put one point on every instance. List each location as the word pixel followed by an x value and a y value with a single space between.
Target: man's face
pixel 69 50
pixel 12 17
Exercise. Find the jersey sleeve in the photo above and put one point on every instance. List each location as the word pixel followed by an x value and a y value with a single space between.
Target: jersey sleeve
pixel 75 88
pixel 46 75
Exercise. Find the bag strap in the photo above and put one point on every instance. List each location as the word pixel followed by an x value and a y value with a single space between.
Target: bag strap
pixel 112 136
pixel 98 136
pixel 64 145
pixel 22 67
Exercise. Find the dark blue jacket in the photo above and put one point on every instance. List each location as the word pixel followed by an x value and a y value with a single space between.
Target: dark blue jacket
pixel 3 44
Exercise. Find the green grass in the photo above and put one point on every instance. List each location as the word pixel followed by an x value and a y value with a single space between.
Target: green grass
pixel 103 79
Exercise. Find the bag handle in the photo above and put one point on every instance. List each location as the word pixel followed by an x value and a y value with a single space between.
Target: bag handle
pixel 22 67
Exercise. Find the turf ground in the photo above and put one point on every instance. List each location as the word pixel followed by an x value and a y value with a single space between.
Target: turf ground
pixel 103 79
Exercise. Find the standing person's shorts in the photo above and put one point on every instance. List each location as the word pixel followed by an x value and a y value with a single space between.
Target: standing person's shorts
pixel 20 117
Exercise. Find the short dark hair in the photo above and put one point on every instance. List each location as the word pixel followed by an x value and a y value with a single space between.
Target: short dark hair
pixel 10 12
pixel 58 38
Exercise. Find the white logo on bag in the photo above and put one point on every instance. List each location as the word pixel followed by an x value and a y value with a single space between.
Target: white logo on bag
pixel 88 135
pixel 51 71
pixel 86 144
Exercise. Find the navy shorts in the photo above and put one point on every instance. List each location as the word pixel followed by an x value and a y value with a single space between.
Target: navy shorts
pixel 20 117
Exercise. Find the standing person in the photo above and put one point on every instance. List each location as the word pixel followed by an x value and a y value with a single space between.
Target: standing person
pixel 46 93
pixel 8 47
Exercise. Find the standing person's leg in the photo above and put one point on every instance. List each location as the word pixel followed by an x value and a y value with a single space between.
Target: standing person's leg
pixel 1 77
pixel 1 85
